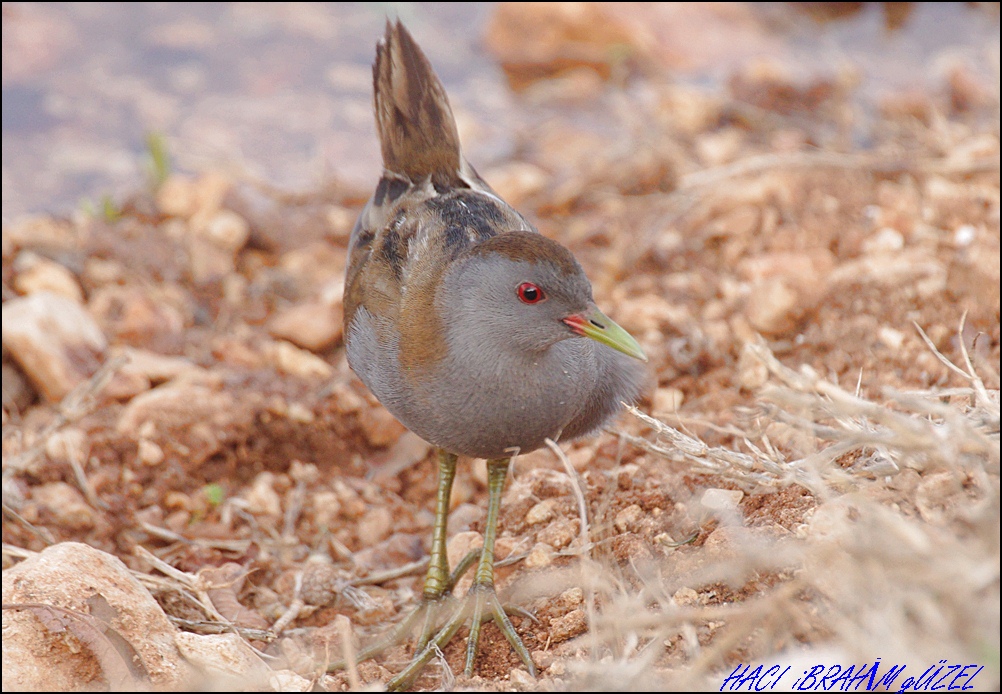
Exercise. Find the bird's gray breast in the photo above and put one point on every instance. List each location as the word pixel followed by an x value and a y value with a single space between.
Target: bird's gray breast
pixel 495 403
pixel 488 404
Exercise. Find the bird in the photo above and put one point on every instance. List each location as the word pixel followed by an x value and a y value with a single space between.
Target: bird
pixel 478 333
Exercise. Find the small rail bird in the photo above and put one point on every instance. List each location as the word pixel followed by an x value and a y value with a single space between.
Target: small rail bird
pixel 475 331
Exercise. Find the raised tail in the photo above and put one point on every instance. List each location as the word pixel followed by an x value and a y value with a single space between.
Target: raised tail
pixel 415 123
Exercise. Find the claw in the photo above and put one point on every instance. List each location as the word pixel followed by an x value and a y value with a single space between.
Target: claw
pixel 480 605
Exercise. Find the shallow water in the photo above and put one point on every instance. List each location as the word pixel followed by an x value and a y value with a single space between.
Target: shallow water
pixel 281 93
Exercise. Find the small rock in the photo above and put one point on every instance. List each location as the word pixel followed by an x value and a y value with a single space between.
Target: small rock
pixel 298 362
pixel 395 551
pixel 288 681
pixel 313 325
pixel 346 400
pixel 721 499
pixel 541 512
pixel 192 418
pixel 542 659
pixel 539 557
pixel 408 450
pixel 582 458
pixel 352 505
pixel 87 581
pixel 149 453
pixel 546 39
pixel 729 541
pixel 890 337
pixel 326 507
pixel 571 598
pixel 572 624
pixel 341 220
pixel 784 287
pixel 375 525
pixel 752 371
pixel 226 660
pixel 377 610
pixel 141 316
pixel 262 498
pixel 68 445
pixel 461 544
pixel 379 427
pixel 886 240
pixel 207 262
pixel 629 518
pixel 157 368
pixel 227 230
pixel 17 392
pixel 685 597
pixel 666 400
pixel 559 533
pixel 39 232
pixel 54 340
pixel 742 221
pixel 464 516
pixel 176 196
pixel 772 306
pixel 298 412
pixel 66 506
pixel 720 146
pixel 34 274
pixel 522 680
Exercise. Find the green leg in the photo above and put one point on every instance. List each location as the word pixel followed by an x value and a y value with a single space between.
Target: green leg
pixel 481 603
pixel 438 582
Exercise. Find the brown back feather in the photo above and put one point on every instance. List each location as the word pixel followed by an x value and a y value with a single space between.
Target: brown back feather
pixel 415 123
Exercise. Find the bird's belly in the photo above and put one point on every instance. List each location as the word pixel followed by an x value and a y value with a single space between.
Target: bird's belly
pixel 504 407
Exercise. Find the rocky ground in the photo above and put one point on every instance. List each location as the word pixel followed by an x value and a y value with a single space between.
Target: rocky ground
pixel 197 491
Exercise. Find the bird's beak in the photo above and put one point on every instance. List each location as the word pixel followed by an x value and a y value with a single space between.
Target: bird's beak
pixel 599 327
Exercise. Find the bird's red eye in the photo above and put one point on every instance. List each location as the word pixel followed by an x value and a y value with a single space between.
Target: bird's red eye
pixel 530 293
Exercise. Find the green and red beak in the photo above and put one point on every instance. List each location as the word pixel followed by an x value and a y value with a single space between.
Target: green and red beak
pixel 599 327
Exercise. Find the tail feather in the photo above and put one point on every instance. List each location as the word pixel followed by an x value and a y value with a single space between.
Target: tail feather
pixel 416 127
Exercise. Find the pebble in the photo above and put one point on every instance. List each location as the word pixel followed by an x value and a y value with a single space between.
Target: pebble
pixel 54 340
pixel 34 274
pixel 262 498
pixel 298 362
pixel 375 525
pixel 522 680
pixel 628 519
pixel 572 624
pixel 666 400
pixel 685 597
pixel 539 557
pixel 541 512
pixel 721 499
pixel 559 533
pixel 312 325
pixel 66 505
pixel 771 306
pixel 85 581
pixel 379 427
pixel 149 453
pixel 227 230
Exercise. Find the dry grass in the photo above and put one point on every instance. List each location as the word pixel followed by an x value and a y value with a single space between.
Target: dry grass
pixel 908 578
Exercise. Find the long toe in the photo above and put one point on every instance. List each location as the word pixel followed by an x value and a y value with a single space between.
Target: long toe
pixel 480 605
pixel 425 619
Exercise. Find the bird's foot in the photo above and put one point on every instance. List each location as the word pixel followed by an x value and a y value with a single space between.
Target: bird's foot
pixel 480 605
